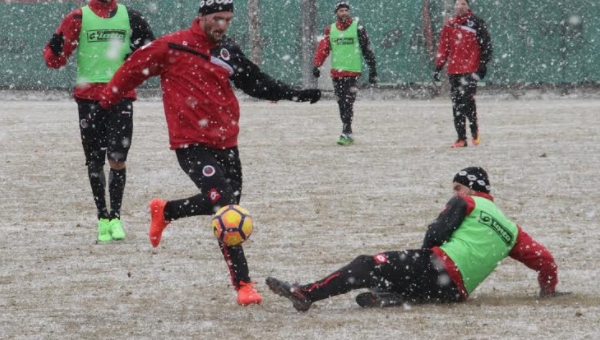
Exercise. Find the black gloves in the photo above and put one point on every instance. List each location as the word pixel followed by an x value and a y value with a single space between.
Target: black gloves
pixel 481 71
pixel 436 74
pixel 373 77
pixel 56 44
pixel 310 95
pixel 316 72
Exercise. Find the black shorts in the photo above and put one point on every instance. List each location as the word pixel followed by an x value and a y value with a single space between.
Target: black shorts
pixel 217 173
pixel 105 133
pixel 416 274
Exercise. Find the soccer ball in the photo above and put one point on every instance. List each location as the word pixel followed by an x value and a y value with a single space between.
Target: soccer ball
pixel 232 225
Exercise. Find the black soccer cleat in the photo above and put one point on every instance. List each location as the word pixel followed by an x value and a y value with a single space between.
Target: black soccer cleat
pixel 379 299
pixel 291 291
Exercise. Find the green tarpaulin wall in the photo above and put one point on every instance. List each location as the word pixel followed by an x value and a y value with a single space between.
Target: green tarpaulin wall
pixel 535 41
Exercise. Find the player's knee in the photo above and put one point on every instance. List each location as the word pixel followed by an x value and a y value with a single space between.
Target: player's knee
pixel 116 165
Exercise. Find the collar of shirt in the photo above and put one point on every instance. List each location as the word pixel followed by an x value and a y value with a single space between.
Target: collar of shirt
pixel 461 19
pixel 103 9
pixel 201 35
pixel 342 25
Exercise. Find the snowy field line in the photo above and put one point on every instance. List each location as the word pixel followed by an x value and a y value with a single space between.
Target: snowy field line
pixel 316 207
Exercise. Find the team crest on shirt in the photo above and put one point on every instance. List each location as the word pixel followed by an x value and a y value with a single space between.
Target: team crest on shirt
pixel 224 54
pixel 470 23
pixel 214 195
pixel 208 171
pixel 381 258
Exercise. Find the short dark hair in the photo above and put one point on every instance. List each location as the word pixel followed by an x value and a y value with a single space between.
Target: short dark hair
pixel 341 4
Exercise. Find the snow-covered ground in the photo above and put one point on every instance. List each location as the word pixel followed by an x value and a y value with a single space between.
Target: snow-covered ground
pixel 316 205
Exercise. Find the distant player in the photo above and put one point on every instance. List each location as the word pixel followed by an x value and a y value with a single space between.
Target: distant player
pixel 348 42
pixel 466 47
pixel 104 34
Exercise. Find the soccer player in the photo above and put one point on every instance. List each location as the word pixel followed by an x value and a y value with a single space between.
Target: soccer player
pixel 196 67
pixel 347 41
pixel 462 247
pixel 104 34
pixel 466 46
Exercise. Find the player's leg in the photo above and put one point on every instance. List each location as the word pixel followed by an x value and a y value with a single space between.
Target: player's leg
pixel 457 92
pixel 120 132
pixel 235 256
pixel 360 273
pixel 345 89
pixel 93 139
pixel 205 168
pixel 471 108
pixel 401 276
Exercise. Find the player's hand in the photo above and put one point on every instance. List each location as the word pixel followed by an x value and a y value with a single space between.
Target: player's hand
pixel 57 43
pixel 373 79
pixel 436 76
pixel 481 72
pixel 310 95
pixel 553 294
pixel 316 73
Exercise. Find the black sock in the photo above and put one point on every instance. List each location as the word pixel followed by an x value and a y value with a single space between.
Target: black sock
pixel 192 206
pixel 116 187
pixel 98 184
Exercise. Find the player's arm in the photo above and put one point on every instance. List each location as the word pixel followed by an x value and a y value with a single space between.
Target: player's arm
pixel 144 63
pixel 440 230
pixel 141 33
pixel 365 46
pixel 443 50
pixel 64 41
pixel 323 48
pixel 248 77
pixel 485 42
pixel 535 256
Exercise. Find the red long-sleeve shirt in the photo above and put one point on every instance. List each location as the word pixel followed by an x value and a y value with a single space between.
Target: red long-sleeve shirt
pixel 70 27
pixel 195 72
pixel 526 250
pixel 464 44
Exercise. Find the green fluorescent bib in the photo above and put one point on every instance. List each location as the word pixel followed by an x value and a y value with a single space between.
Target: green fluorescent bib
pixel 345 48
pixel 484 238
pixel 103 45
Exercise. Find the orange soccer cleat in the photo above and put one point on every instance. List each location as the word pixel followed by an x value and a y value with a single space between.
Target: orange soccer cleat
pixel 157 220
pixel 247 295
pixel 476 141
pixel 459 144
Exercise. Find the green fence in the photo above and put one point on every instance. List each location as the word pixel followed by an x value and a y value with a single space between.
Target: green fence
pixel 535 41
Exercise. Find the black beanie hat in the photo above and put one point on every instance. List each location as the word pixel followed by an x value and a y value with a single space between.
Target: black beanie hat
pixel 475 178
pixel 341 4
pixel 213 6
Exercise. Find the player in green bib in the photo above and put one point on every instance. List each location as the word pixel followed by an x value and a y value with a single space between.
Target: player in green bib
pixel 348 42
pixel 462 247
pixel 104 33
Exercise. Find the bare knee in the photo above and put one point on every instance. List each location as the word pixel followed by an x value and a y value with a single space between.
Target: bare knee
pixel 116 165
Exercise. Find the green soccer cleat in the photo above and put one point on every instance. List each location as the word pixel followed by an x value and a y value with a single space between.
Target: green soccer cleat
pixel 116 229
pixel 104 230
pixel 345 140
